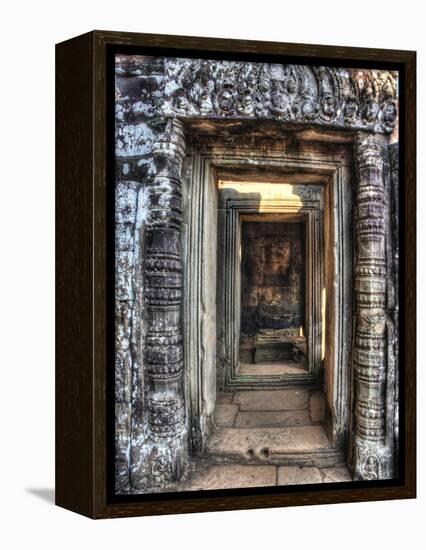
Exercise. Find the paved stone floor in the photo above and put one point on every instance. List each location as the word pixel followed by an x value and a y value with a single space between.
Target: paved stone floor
pixel 271 369
pixel 258 434
pixel 269 408
pixel 237 476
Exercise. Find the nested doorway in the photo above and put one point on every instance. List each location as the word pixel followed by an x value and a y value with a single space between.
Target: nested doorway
pixel 279 302
pixel 284 315
pixel 272 303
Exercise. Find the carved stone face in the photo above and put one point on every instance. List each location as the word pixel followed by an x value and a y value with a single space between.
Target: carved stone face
pixel 205 73
pixel 390 114
pixel 264 86
pixel 205 102
pixel 350 109
pixel 226 100
pixel 371 468
pixel 279 100
pixel 181 101
pixel 245 103
pixel 370 110
pixel 291 85
pixel 329 106
pixel 278 256
pixel 309 108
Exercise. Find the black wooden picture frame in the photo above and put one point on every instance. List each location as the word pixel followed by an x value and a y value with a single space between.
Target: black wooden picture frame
pixel 85 275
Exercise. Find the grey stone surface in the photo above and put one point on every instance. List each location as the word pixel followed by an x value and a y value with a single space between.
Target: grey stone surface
pixel 317 406
pixel 373 373
pixel 271 369
pixel 336 474
pixel 295 475
pixel 261 443
pixel 272 400
pixel 224 397
pixel 354 99
pixel 204 476
pixel 224 414
pixel 232 476
pixel 330 98
pixel 308 438
pixel 263 419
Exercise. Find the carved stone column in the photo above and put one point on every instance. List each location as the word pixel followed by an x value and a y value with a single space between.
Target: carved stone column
pixel 160 457
pixel 372 457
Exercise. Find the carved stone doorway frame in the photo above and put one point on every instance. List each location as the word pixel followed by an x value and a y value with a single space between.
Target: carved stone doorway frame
pixel 357 106
pixel 232 213
pixel 322 177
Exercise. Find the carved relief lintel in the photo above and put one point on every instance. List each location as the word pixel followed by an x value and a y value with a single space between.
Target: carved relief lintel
pixel 159 456
pixel 371 458
pixel 328 96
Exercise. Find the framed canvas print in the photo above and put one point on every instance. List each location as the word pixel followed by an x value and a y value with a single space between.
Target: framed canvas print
pixel 235 274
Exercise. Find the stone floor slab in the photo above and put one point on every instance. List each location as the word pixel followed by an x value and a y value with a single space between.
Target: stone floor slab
pixel 295 475
pixel 224 414
pixel 271 419
pixel 261 443
pixel 309 438
pixel 271 400
pixel 231 476
pixel 317 406
pixel 271 369
pixel 333 475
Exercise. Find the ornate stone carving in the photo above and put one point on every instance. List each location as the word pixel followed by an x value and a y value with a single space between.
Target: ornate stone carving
pixel 371 457
pixel 151 436
pixel 126 214
pixel 296 93
pixel 159 455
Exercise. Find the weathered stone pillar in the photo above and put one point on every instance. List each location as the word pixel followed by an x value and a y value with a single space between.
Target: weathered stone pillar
pixel 161 455
pixel 372 458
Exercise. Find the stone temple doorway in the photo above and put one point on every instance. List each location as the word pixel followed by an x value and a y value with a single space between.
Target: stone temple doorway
pixel 264 238
pixel 269 263
pixel 276 433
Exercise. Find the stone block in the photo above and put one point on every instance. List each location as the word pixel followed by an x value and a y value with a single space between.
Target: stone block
pixel 124 236
pixel 133 139
pixel 265 419
pixel 124 270
pixel 309 438
pixel 224 397
pixel 271 369
pixel 231 476
pixel 272 400
pixel 271 353
pixel 224 415
pixel 125 201
pixel 295 475
pixel 333 475
pixel 317 406
pixel 263 443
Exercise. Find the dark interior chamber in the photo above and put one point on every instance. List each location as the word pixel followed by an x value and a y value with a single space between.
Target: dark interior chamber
pixel 273 268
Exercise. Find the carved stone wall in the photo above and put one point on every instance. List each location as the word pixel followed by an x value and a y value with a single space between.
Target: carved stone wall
pixel 372 456
pixel 163 454
pixel 154 97
pixel 302 202
pixel 318 95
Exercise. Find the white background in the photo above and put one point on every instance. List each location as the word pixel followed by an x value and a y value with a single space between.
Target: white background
pixel 29 31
